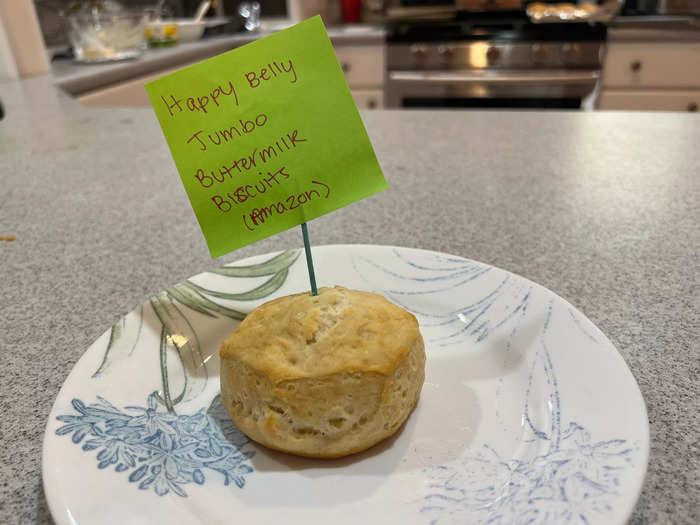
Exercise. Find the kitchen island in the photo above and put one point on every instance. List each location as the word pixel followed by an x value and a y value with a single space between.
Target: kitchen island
pixel 601 208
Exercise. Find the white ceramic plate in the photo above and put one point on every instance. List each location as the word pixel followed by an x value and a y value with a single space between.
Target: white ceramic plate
pixel 528 413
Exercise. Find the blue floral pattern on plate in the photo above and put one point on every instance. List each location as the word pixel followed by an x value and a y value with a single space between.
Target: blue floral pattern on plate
pixel 571 481
pixel 574 477
pixel 160 450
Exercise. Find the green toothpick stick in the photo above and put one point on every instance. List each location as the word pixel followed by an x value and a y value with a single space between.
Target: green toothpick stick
pixel 309 260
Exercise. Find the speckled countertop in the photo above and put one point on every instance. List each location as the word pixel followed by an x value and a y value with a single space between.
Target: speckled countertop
pixel 602 208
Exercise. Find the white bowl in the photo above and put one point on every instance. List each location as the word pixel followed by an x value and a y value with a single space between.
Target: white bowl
pixel 187 30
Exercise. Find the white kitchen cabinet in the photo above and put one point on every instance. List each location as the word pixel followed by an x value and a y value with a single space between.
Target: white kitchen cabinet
pixel 650 99
pixel 653 76
pixel 363 65
pixel 368 98
pixel 652 65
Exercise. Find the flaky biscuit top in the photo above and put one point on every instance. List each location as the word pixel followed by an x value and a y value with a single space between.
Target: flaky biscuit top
pixel 339 330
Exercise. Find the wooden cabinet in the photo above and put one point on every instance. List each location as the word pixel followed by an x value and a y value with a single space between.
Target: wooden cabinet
pixel 653 76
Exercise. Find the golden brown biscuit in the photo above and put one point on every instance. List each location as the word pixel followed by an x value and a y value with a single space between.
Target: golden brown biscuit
pixel 586 9
pixel 565 9
pixel 323 376
pixel 536 8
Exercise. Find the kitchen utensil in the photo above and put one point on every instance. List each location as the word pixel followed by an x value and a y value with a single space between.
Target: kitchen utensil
pixel 202 10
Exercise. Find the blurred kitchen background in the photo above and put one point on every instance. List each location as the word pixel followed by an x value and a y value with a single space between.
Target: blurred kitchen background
pixel 610 54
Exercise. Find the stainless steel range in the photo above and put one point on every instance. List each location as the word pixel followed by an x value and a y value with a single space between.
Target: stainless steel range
pixel 493 60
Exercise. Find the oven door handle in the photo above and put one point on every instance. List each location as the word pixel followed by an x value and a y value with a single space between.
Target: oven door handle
pixel 495 77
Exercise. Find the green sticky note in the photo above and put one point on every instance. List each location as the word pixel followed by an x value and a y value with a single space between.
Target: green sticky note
pixel 266 136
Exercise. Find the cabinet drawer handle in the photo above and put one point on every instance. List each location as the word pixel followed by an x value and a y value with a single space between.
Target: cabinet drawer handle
pixel 345 67
pixel 692 107
pixel 636 66
pixel 371 104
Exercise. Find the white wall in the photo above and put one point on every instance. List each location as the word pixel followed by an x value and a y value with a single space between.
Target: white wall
pixel 21 35
pixel 8 68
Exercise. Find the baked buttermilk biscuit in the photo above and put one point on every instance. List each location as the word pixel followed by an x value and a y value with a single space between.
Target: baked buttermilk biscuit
pixel 323 376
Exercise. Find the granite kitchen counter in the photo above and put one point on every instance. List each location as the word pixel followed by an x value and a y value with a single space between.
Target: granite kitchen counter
pixel 602 208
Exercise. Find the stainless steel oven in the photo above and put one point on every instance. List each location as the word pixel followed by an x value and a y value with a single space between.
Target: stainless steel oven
pixel 495 61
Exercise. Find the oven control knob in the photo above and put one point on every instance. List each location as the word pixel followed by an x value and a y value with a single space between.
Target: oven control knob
pixel 446 52
pixel 539 53
pixel 571 52
pixel 493 54
pixel 418 51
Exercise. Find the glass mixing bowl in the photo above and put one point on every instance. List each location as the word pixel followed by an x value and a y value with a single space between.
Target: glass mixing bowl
pixel 101 34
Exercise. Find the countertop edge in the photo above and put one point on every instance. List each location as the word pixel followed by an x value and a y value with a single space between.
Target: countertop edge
pixel 77 79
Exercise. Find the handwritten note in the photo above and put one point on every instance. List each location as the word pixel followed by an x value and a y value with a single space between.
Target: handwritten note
pixel 266 136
